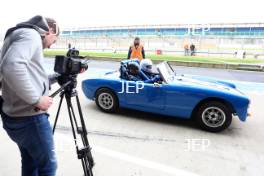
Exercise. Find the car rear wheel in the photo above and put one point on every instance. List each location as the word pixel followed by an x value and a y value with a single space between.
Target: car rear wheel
pixel 106 100
pixel 213 116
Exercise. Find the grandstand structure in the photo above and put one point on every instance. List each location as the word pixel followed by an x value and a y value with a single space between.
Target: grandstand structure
pixel 235 29
pixel 224 38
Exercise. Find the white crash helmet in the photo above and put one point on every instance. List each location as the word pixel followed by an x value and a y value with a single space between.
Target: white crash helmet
pixel 146 65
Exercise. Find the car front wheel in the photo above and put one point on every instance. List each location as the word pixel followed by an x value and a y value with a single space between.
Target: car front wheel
pixel 106 100
pixel 213 116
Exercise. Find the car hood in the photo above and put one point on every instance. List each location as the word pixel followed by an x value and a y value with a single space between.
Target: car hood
pixel 200 81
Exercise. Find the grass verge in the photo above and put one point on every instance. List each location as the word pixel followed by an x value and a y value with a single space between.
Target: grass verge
pixel 202 59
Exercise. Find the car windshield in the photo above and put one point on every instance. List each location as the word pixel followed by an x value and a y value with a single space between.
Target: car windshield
pixel 166 72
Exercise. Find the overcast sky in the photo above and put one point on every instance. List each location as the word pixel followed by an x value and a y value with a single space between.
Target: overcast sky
pixel 80 13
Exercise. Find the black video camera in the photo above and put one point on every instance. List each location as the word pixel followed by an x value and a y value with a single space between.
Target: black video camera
pixel 71 64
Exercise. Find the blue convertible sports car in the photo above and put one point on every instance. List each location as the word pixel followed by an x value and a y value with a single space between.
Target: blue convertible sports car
pixel 211 103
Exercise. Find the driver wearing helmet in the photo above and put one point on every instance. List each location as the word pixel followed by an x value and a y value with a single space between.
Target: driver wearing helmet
pixel 146 68
pixel 134 74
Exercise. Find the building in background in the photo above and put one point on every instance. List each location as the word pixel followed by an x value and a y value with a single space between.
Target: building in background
pixel 210 39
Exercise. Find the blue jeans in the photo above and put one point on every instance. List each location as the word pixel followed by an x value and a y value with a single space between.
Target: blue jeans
pixel 34 137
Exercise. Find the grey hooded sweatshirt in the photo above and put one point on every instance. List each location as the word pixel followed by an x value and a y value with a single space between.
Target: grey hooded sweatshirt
pixel 24 79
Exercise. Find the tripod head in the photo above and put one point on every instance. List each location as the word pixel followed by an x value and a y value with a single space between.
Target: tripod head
pixel 66 78
pixel 68 84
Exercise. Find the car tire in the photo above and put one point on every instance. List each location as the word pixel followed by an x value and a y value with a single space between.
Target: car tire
pixel 213 116
pixel 106 100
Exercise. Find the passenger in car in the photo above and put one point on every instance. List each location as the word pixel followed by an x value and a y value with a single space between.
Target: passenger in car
pixel 146 66
pixel 134 74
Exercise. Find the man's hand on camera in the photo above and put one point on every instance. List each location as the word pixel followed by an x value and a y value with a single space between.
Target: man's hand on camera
pixel 44 103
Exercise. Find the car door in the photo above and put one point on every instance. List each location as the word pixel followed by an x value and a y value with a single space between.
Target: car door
pixel 144 95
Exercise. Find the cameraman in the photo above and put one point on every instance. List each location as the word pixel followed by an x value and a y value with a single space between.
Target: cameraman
pixel 25 87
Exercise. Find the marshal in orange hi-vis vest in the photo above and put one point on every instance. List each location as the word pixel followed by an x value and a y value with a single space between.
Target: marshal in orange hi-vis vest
pixel 136 52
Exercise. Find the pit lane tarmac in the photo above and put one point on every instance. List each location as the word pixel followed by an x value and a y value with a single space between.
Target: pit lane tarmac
pixel 135 143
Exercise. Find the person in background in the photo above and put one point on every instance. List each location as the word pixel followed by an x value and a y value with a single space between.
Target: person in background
pixel 136 50
pixel 186 49
pixel 192 49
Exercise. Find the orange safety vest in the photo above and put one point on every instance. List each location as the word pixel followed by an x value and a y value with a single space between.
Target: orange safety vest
pixel 136 52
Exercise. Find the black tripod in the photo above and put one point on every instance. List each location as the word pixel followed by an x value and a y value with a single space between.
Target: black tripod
pixel 68 91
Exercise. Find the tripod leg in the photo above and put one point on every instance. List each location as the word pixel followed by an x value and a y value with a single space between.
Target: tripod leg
pixel 81 117
pixel 58 112
pixel 81 154
pixel 83 127
pixel 73 115
pixel 71 120
pixel 84 131
pixel 79 129
pixel 84 135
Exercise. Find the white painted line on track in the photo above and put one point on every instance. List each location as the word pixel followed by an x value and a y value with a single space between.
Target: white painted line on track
pixel 68 141
pixel 142 162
